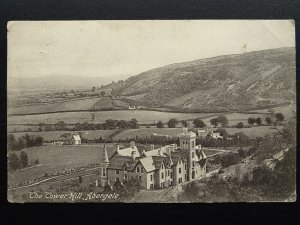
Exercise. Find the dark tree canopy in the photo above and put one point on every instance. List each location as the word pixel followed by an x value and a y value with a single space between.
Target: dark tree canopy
pixel 24 158
pixel 159 124
pixel 214 121
pixel 258 121
pixel 279 116
pixel 268 120
pixel 172 123
pixel 251 120
pixel 199 123
pixel 13 161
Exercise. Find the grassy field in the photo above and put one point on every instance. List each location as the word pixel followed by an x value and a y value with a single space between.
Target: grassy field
pixel 146 132
pixel 53 158
pixel 142 116
pixel 173 132
pixel 54 135
pixel 81 104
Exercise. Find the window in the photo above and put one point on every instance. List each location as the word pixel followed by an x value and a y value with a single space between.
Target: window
pixel 103 172
pixel 125 176
pixel 140 177
pixel 117 179
pixel 162 175
pixel 193 164
pixel 151 177
pixel 151 185
pixel 179 170
pixel 179 180
pixel 142 170
pixel 162 166
pixel 171 174
pixel 117 171
pixel 185 176
pixel 138 169
pixel 185 166
pixel 168 172
pixel 193 154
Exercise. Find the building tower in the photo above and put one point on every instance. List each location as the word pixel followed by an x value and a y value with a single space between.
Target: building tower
pixel 188 143
pixel 103 167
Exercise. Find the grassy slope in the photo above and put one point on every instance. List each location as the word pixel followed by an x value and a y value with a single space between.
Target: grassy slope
pixel 53 158
pixel 237 81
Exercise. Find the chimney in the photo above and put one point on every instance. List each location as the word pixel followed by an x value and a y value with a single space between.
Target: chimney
pixel 133 155
pixel 132 144
pixel 151 147
pixel 160 152
pixel 184 130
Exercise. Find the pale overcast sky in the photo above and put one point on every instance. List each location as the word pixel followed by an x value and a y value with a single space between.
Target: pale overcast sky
pixel 113 48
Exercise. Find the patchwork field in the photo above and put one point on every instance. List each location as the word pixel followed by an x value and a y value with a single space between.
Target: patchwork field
pixel 173 132
pixel 147 132
pixel 54 135
pixel 53 158
pixel 142 116
pixel 81 104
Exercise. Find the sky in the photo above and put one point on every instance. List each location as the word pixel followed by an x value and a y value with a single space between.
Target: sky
pixel 125 48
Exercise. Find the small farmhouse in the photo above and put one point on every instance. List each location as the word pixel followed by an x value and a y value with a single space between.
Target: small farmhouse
pixel 70 139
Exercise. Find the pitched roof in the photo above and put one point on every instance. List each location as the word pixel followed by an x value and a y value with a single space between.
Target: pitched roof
pixel 117 162
pixel 128 151
pixel 148 164
pixel 76 137
pixel 201 155
pixel 158 160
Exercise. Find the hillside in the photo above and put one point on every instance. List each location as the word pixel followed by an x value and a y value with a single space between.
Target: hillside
pixel 231 82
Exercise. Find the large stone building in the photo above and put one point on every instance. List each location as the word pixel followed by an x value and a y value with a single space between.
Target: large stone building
pixel 156 168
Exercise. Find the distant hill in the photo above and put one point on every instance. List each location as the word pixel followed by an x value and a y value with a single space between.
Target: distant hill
pixel 56 83
pixel 230 82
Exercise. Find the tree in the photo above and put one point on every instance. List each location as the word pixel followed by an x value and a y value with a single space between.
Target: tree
pixel 214 121
pixel 21 143
pixel 80 179
pixel 279 117
pixel 184 123
pixel 102 93
pixel 24 158
pixel 251 121
pixel 122 124
pixel 38 141
pixel 159 124
pixel 11 143
pixel 258 121
pixel 172 123
pixel 93 89
pixel 240 125
pixel 268 120
pixel 223 132
pixel 110 124
pixel 13 161
pixel 223 121
pixel 199 123
pixel 134 124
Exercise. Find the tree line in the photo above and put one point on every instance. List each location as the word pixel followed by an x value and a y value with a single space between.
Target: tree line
pixel 108 125
pixel 26 141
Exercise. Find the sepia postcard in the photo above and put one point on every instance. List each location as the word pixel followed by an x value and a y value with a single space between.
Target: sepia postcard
pixel 175 111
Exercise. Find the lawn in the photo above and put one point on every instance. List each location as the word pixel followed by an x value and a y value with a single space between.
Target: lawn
pixel 53 158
